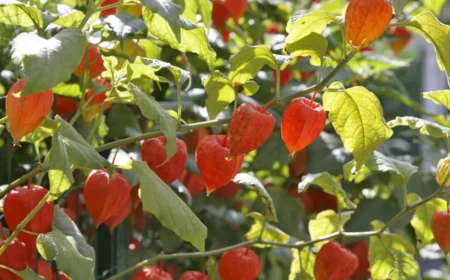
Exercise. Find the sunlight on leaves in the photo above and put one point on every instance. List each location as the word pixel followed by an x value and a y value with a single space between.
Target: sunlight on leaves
pixel 421 221
pixel 271 233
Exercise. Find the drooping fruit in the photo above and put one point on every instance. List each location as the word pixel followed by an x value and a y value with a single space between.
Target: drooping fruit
pixel 192 138
pixel 65 105
pixel 306 75
pixel 151 273
pixel 297 166
pixel 212 161
pixel 219 14
pixel 250 127
pixel 154 153
pixel 229 190
pixel 361 250
pixel 193 275
pixel 94 101
pixel 19 203
pixel 239 264
pixel 105 196
pixel 236 8
pixel 95 62
pixel 366 21
pixel 315 200
pixel 119 217
pixel 402 35
pixel 44 269
pixel 15 257
pixel 193 182
pixel 443 168
pixel 286 76
pixel 440 224
pixel 26 113
pixel 110 11
pixel 334 262
pixel 302 123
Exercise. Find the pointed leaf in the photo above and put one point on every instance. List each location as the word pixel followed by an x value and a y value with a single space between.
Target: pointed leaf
pixel 308 260
pixel 55 246
pixel 421 221
pixel 406 268
pixel 168 11
pixel 250 88
pixel 193 37
pixel 254 183
pixel 425 127
pixel 439 97
pixel 60 173
pixel 248 62
pixel 47 63
pixel 313 45
pixel 357 117
pixel 17 13
pixel 325 223
pixel 193 6
pixel 152 110
pixel 329 185
pixel 220 93
pixel 160 200
pixel 271 233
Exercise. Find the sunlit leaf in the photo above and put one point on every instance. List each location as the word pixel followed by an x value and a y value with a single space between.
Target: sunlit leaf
pixel 271 233
pixel 425 127
pixel 313 45
pixel 421 221
pixel 168 11
pixel 325 223
pixel 406 268
pixel 441 97
pixel 308 260
pixel 220 93
pixel 17 13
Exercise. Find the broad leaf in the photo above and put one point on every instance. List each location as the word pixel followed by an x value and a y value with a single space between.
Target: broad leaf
pixel 329 185
pixel 160 200
pixel 124 24
pixel 29 274
pixel 421 221
pixel 56 246
pixel 439 97
pixel 68 90
pixel 381 260
pixel 434 6
pixel 193 37
pixel 325 223
pixel 152 110
pixel 248 61
pixel 435 33
pixel 168 11
pixel 72 19
pixel 406 268
pixel 425 127
pixel 17 13
pixel 212 267
pixel 193 6
pixel 305 269
pixel 357 117
pixel 270 233
pixel 220 93
pixel 46 129
pixel 313 45
pixel 254 183
pixel 60 173
pixel 47 63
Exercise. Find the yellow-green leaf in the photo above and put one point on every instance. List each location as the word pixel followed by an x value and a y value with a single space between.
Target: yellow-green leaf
pixel 193 6
pixel 357 117
pixel 220 93
pixel 313 45
pixel 435 33
pixel 421 221
pixel 406 268
pixel 325 223
pixel 425 127
pixel 441 97
pixel 271 233
pixel 17 13
pixel 434 6
pixel 305 271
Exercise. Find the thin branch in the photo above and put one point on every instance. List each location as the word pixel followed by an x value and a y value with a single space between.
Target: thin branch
pixel 38 169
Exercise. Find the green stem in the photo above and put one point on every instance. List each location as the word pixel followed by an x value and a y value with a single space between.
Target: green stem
pixel 179 102
pixel 89 12
pixel 24 223
pixel 115 5
pixel 277 90
pixel 38 169
pixel 10 270
pixel 3 120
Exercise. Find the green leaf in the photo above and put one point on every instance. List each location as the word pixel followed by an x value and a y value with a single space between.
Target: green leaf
pixel 406 268
pixel 220 93
pixel 60 173
pixel 70 20
pixel 212 267
pixel 49 62
pixel 29 274
pixel 254 183
pixel 421 221
pixel 441 97
pixel 329 185
pixel 152 110
pixel 425 127
pixel 271 233
pixel 435 6
pixel 17 13
pixel 382 163
pixel 68 90
pixel 160 200
pixel 305 271
pixel 2 127
pixel 250 88
pixel 325 223
pixel 313 45
pixel 248 62
pixel 357 117
pixel 193 37
pixel 124 24
pixel 435 33
pixel 46 129
pixel 55 246
pixel 180 76
pixel 193 6
pixel 169 13
pixel 381 261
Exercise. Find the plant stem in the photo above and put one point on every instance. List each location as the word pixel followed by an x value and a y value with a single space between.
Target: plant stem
pixel 23 224
pixel 89 12
pixel 38 169
pixel 10 270
pixel 277 91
